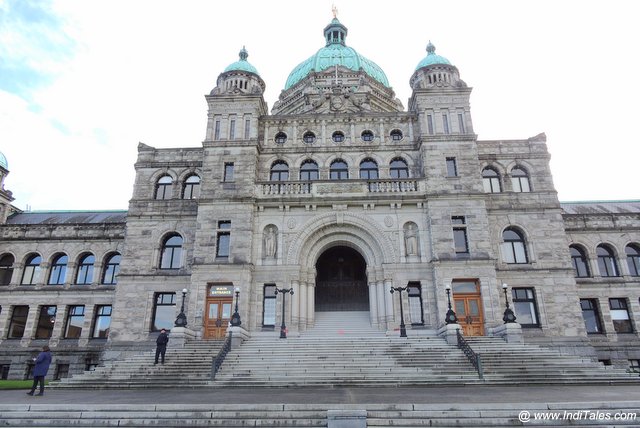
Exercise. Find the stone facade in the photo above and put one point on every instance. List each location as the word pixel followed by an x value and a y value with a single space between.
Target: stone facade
pixel 338 164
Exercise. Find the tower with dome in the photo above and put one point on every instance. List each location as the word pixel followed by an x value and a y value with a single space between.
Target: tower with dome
pixel 341 195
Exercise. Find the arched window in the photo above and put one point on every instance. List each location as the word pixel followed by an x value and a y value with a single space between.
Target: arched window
pixel 85 269
pixel 111 269
pixel 171 252
pixel 396 135
pixel 32 269
pixel 514 248
pixel 367 136
pixel 520 180
pixel 369 169
pixel 279 171
pixel 309 170
pixel 633 259
pixel 58 270
pixel 607 261
pixel 280 138
pixel 191 189
pixel 309 137
pixel 491 180
pixel 6 269
pixel 337 137
pixel 579 261
pixel 338 170
pixel 398 168
pixel 163 187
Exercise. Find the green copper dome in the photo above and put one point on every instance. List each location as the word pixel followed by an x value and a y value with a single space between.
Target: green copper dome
pixel 242 64
pixel 3 161
pixel 336 53
pixel 432 58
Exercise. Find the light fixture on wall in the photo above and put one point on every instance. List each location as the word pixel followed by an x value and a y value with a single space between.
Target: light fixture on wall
pixel 235 318
pixel 450 317
pixel 509 316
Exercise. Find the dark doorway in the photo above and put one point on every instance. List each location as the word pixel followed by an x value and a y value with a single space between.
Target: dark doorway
pixel 341 284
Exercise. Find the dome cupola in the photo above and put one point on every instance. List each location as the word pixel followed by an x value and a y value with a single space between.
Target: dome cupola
pixel 242 64
pixel 432 58
pixel 239 77
pixel 3 161
pixel 435 71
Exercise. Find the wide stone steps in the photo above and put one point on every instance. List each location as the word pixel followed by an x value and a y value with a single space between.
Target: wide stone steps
pixel 317 415
pixel 188 366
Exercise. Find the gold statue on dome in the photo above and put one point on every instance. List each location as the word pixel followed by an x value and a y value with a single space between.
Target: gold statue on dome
pixel 334 9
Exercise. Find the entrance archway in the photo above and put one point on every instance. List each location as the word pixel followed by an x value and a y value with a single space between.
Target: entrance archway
pixel 341 282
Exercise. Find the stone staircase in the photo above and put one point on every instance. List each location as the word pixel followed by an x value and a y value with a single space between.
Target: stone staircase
pixel 319 415
pixel 188 366
pixel 514 364
pixel 344 350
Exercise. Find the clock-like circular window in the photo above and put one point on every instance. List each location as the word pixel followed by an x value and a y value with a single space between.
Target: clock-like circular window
pixel 280 138
pixel 367 136
pixel 309 137
pixel 337 137
pixel 396 135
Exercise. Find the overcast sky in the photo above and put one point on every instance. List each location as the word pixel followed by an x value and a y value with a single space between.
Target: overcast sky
pixel 83 81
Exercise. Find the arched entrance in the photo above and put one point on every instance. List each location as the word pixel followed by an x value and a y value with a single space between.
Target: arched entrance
pixel 341 282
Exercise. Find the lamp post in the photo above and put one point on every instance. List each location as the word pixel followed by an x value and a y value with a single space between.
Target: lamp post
pixel 403 330
pixel 283 327
pixel 450 317
pixel 509 316
pixel 181 320
pixel 235 318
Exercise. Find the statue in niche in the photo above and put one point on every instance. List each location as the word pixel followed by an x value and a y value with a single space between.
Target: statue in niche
pixel 411 239
pixel 270 238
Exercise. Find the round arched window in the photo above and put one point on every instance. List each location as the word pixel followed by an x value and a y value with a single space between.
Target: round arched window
pixel 309 137
pixel 367 136
pixel 337 137
pixel 396 135
pixel 280 138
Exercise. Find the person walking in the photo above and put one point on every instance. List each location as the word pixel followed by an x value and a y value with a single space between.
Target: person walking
pixel 42 363
pixel 161 345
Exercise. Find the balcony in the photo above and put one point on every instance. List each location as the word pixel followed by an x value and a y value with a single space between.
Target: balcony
pixel 326 187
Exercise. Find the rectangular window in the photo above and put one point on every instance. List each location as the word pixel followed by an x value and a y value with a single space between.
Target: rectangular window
pixel 62 371
pixel 634 366
pixel 430 124
pixel 102 322
pixel 232 129
pixel 228 171
pixel 247 129
pixel 269 306
pixel 591 315
pixel 46 321
pixel 452 167
pixel 415 303
pixel 18 322
pixel 217 131
pixel 525 306
pixel 620 316
pixel 461 123
pixel 223 239
pixel 460 241
pixel 75 321
pixel 445 123
pixel 4 371
pixel 164 311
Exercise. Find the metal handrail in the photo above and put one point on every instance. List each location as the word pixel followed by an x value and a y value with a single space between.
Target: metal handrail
pixel 473 357
pixel 219 359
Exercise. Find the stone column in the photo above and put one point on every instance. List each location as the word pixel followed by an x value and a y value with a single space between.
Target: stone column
pixel 373 304
pixel 295 304
pixel 388 300
pixel 302 302
pixel 380 298
pixel 311 305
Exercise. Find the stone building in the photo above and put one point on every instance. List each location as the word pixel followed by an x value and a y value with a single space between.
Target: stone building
pixel 339 194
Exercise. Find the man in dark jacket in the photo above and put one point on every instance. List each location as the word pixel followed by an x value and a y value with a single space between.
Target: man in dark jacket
pixel 161 345
pixel 42 363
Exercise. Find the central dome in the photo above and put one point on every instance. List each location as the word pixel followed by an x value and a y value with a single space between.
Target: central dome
pixel 336 53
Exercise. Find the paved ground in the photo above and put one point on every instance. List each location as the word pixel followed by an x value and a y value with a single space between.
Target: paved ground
pixel 467 394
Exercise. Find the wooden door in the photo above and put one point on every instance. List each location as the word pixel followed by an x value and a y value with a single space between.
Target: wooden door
pixel 217 316
pixel 468 309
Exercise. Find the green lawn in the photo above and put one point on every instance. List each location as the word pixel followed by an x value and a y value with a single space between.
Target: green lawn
pixel 16 384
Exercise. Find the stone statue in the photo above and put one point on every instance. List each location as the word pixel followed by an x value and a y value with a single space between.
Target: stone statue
pixel 411 239
pixel 270 242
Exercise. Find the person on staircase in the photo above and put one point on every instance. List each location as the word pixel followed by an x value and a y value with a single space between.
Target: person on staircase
pixel 161 345
pixel 42 363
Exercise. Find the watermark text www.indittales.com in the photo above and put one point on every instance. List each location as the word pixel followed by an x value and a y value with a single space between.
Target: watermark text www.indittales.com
pixel 578 415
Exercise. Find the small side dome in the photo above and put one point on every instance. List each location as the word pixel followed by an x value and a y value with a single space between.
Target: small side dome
pixel 242 64
pixel 3 161
pixel 432 58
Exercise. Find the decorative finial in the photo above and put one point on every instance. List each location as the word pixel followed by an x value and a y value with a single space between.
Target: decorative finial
pixel 431 48
pixel 243 54
pixel 334 9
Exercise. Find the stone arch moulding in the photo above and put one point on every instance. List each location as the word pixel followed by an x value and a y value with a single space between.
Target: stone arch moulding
pixel 340 228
